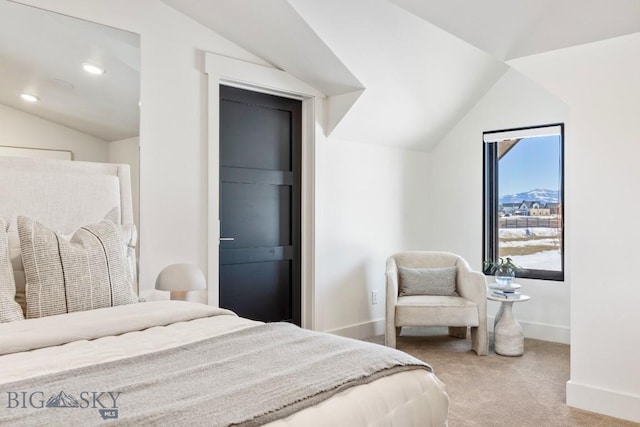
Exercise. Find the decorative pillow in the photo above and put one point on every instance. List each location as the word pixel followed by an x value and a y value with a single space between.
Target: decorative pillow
pixel 428 281
pixel 129 239
pixel 88 271
pixel 129 234
pixel 18 268
pixel 9 309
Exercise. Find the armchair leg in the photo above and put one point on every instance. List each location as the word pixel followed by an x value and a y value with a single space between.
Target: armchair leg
pixel 480 340
pixel 458 331
pixel 390 334
pixel 390 339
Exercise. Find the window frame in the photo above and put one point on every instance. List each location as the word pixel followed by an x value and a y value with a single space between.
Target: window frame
pixel 491 200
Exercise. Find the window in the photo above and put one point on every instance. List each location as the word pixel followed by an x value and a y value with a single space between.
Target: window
pixel 524 199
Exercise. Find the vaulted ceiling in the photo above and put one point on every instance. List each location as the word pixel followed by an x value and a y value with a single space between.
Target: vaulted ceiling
pixel 511 29
pixel 42 53
pixel 396 72
pixel 408 70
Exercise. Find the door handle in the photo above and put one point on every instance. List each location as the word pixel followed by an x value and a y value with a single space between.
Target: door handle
pixel 227 239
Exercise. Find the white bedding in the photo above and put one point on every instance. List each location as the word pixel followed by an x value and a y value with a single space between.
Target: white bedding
pixel 412 398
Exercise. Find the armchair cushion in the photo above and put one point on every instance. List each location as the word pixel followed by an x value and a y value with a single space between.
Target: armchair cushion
pixel 431 310
pixel 427 281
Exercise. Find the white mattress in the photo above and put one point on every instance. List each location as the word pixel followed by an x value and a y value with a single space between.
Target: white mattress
pixel 412 398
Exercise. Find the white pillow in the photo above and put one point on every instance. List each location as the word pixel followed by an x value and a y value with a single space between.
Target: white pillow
pixel 9 309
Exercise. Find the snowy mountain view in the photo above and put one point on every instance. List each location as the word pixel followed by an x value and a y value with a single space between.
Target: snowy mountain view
pixel 532 238
pixel 538 194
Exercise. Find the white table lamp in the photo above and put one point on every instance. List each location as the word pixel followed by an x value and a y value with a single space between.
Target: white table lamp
pixel 180 279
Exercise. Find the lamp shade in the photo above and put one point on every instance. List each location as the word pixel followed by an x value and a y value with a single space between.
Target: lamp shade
pixel 179 279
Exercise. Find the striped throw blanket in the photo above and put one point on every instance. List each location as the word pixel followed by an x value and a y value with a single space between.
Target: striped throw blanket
pixel 245 378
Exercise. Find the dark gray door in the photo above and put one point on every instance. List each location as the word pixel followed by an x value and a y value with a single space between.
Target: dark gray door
pixel 260 161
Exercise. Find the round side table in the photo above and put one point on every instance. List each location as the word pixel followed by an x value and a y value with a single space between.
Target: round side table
pixel 508 338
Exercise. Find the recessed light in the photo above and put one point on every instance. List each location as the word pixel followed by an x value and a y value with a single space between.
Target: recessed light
pixel 29 98
pixel 93 68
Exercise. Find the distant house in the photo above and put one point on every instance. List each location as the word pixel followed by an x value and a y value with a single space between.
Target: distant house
pixel 525 208
pixel 507 209
pixel 538 209
pixel 554 208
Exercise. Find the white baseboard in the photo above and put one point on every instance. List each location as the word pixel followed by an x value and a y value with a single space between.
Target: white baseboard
pixel 361 330
pixel 541 331
pixel 602 401
pixel 538 331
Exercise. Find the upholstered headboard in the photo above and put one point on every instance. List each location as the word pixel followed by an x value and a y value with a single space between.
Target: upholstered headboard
pixel 63 195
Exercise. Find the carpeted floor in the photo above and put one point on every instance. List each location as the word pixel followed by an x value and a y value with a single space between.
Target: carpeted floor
pixel 495 390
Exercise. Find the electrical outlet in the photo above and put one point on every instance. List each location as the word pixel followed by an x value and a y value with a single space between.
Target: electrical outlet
pixel 374 297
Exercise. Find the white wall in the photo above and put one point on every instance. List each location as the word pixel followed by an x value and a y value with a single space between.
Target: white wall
pixel 172 125
pixel 599 82
pixel 20 129
pixel 455 188
pixel 374 202
pixel 373 196
pixel 128 151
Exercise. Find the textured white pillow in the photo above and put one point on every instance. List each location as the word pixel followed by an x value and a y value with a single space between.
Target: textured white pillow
pixel 129 240
pixel 88 271
pixel 9 309
pixel 428 281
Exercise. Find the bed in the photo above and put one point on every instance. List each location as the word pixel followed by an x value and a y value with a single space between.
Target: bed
pixel 79 358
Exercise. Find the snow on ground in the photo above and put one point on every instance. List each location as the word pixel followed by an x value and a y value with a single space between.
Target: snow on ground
pixel 543 260
pixel 546 260
pixel 514 233
pixel 555 243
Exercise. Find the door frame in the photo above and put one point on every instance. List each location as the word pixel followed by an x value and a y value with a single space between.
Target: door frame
pixel 258 78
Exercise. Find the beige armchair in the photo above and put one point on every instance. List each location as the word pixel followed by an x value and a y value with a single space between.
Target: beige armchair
pixel 469 309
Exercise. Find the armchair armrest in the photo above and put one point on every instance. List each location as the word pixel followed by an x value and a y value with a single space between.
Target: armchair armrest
pixel 391 299
pixel 392 282
pixel 471 285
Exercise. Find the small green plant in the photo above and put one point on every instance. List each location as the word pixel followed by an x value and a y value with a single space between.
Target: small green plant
pixel 501 265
